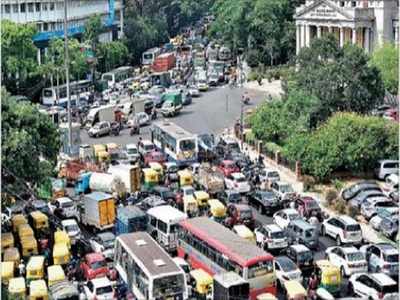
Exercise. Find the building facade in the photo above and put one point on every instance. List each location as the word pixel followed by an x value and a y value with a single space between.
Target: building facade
pixel 366 23
pixel 48 16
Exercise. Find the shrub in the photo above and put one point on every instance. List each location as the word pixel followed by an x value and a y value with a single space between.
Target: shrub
pixel 352 211
pixel 253 76
pixel 308 183
pixel 339 206
pixel 331 196
pixel 338 184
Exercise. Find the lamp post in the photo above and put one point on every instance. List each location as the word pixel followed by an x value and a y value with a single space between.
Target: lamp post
pixel 66 62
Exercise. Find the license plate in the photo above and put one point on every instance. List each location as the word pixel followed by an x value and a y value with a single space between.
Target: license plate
pixel 306 263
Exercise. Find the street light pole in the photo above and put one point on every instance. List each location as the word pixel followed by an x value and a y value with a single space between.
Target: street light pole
pixel 66 62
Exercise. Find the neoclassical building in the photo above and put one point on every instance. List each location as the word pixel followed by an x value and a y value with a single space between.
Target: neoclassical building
pixel 366 23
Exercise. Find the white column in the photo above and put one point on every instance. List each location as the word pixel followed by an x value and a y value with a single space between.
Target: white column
pixel 330 28
pixel 341 32
pixel 319 31
pixel 38 56
pixel 122 22
pixel 298 39
pixel 302 38
pixel 396 36
pixel 366 39
pixel 307 35
pixel 353 36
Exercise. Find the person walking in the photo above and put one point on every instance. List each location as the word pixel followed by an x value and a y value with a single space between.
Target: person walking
pixel 21 268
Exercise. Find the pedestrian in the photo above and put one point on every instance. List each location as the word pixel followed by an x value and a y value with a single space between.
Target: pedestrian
pixel 21 268
pixel 260 159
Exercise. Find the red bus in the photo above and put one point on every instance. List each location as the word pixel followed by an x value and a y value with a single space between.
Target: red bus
pixel 212 247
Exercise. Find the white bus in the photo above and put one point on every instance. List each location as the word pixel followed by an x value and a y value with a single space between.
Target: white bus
pixel 163 225
pixel 179 145
pixel 83 88
pixel 118 76
pixel 150 55
pixel 147 270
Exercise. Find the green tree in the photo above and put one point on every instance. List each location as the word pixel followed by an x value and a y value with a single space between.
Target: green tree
pixel 19 62
pixel 111 55
pixel 341 79
pixel 93 28
pixel 386 59
pixel 30 142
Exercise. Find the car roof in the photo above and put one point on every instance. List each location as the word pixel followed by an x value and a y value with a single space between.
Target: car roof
pixel 69 222
pixel 147 142
pixel 299 248
pixel 237 175
pixel 106 235
pixel 350 249
pixel 382 279
pixel 282 258
pixel 102 281
pixel 131 146
pixel 241 206
pixel 290 211
pixel 348 220
pixel 387 248
pixel 64 199
pixel 272 227
pixel 227 161
pixel 307 199
pixel 282 183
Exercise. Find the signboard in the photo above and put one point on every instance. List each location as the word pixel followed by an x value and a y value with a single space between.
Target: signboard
pixel 324 11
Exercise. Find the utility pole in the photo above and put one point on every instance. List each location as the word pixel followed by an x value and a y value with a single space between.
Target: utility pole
pixel 66 62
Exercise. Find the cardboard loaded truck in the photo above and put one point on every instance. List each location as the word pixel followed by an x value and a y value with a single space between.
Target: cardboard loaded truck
pixel 209 179
pixel 98 210
pixel 100 114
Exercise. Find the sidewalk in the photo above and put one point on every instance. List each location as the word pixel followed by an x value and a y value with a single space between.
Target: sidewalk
pixel 273 88
pixel 369 234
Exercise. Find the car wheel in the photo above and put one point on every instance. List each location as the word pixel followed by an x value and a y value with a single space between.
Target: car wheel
pixel 338 241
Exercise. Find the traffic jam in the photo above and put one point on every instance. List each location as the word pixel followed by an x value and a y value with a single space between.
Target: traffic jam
pixel 177 215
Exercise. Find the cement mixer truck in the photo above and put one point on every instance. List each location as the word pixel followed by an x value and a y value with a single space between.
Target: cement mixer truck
pixel 101 182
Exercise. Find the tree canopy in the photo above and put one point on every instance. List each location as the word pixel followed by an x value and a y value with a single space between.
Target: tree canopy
pixel 30 141
pixel 111 55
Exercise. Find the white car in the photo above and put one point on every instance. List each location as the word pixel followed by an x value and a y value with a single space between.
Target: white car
pixel 187 191
pixel 343 229
pixel 270 176
pixel 99 289
pixel 376 286
pixel 100 129
pixel 103 243
pixel 376 220
pixel 71 227
pixel 65 206
pixel 238 183
pixel 284 190
pixel 142 118
pixel 271 237
pixel 286 270
pixel 146 146
pixel 194 91
pixel 132 152
pixel 283 217
pixel 350 260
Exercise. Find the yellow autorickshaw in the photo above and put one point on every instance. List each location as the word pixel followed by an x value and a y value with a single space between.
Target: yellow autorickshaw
pixel 12 254
pixel 18 220
pixel 7 241
pixel 17 288
pixel 61 237
pixel 202 198
pixel 294 290
pixel 38 290
pixel 7 271
pixel 25 230
pixel 61 254
pixel 98 148
pixel 185 177
pixel 244 232
pixel 201 283
pixel 55 274
pixel 35 268
pixel 29 246
pixel 158 168
pixel 103 156
pixel 190 206
pixel 39 221
pixel 328 276
pixel 266 296
pixel 150 178
pixel 217 210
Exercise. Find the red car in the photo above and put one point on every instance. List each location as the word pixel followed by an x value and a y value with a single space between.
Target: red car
pixel 95 265
pixel 240 214
pixel 227 167
pixel 154 156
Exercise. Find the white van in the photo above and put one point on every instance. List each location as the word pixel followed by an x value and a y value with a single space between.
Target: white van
pixel 391 183
pixel 163 225
pixel 385 168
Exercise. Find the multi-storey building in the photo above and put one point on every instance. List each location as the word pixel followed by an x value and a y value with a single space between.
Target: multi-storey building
pixel 366 23
pixel 48 15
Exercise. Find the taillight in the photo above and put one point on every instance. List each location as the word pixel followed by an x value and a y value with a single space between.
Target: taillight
pixel 380 295
pixel 386 266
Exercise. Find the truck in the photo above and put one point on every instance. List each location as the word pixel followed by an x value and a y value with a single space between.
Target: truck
pixel 172 104
pixel 209 179
pixel 71 170
pixel 108 183
pixel 100 114
pixel 130 219
pixel 98 210
pixel 129 175
pixel 161 78
pixel 82 183
pixel 164 62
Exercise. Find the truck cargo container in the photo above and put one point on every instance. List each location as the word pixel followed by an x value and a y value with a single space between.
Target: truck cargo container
pixel 107 183
pixel 98 210
pixel 129 175
pixel 130 219
pixel 164 62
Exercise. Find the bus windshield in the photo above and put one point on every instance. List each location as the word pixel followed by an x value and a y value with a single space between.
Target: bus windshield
pixel 166 286
pixel 48 93
pixel 187 145
pixel 148 56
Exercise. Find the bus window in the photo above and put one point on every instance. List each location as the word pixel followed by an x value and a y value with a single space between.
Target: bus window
pixel 187 145
pixel 48 93
pixel 162 226
pixel 259 269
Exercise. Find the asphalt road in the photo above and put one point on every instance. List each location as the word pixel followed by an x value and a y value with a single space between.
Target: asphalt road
pixel 212 112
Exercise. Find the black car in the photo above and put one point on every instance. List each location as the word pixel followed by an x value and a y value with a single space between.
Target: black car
pixel 266 202
pixel 230 196
pixel 240 159
pixel 164 193
pixel 150 202
pixel 359 187
pixel 302 256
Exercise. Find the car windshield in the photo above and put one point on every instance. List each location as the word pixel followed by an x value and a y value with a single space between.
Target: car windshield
pixel 189 192
pixel 104 290
pixel 148 56
pixel 67 204
pixel 132 151
pixel 98 264
pixel 355 256
pixel 353 227
pixel 235 197
pixel 310 233
pixel 391 288
pixel 392 258
pixel 72 227
pixel 168 286
pixel 260 269
pixel 267 195
pixel 107 77
pixel 173 228
pixel 286 188
pixel 273 174
pixel 305 256
pixel 312 204
pixel 293 217
pixel 207 140
pixel 148 147
pixel 246 214
pixel 277 235
pixel 287 265
pixel 187 145
pixel 240 179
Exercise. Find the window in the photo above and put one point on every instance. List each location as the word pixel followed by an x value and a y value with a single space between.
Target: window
pixel 44 6
pixel 45 26
pixel 341 3
pixel 22 8
pixel 162 226
pixel 30 7
pixel 7 8
pixel 52 6
pixel 37 6
pixel 353 3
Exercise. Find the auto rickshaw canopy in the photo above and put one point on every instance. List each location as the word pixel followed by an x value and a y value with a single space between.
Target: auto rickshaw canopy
pixel 156 166
pixel 217 208
pixel 40 220
pixel 17 286
pixel 185 177
pixel 244 232
pixel 12 254
pixel 55 273
pixel 330 277
pixel 61 254
pixel 203 280
pixel 103 156
pixel 17 220
pixel 98 148
pixel 7 240
pixel 295 290
pixel 202 197
pixel 7 271
pixel 29 246
pixel 25 230
pixel 61 237
pixel 35 267
pixel 38 289
pixel 150 175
